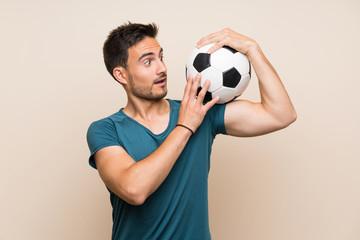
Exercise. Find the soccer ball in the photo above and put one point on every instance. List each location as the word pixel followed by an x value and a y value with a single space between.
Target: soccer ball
pixel 228 70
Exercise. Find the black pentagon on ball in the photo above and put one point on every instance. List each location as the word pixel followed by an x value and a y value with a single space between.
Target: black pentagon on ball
pixel 208 95
pixel 230 49
pixel 201 62
pixel 250 69
pixel 235 98
pixel 231 78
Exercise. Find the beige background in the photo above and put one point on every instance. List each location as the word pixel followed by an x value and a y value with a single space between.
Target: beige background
pixel 301 183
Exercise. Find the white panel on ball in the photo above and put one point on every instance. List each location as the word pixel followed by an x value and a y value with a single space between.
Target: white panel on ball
pixel 241 63
pixel 244 82
pixel 190 70
pixel 222 59
pixel 226 94
pixel 192 57
pixel 215 77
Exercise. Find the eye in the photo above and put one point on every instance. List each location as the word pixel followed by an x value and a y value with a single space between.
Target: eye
pixel 161 58
pixel 147 62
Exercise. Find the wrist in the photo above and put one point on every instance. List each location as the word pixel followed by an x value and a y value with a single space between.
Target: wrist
pixel 252 49
pixel 185 127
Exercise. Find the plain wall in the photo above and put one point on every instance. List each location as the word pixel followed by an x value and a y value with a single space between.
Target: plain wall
pixel 301 183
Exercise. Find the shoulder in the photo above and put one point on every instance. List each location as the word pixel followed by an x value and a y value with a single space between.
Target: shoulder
pixel 107 123
pixel 216 112
pixel 103 132
pixel 216 115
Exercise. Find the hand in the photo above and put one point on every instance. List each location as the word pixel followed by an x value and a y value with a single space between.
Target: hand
pixel 229 38
pixel 192 110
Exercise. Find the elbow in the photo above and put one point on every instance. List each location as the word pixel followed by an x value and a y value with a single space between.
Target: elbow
pixel 288 119
pixel 135 201
pixel 292 117
pixel 134 196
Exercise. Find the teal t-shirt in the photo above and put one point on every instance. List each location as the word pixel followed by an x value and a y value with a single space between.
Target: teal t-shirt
pixel 178 209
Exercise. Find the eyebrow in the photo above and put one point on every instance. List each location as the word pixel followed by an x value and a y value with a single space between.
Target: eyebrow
pixel 149 54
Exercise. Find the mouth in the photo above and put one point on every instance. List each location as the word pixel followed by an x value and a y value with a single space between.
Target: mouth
pixel 160 82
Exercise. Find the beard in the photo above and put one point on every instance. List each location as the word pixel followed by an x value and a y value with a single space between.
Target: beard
pixel 146 92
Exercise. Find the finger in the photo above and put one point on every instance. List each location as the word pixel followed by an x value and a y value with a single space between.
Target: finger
pixel 214 37
pixel 211 103
pixel 202 93
pixel 215 47
pixel 206 85
pixel 188 87
pixel 195 86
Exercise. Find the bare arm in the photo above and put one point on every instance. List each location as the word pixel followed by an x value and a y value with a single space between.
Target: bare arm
pixel 135 181
pixel 245 118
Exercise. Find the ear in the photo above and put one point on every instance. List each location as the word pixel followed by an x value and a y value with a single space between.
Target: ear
pixel 120 73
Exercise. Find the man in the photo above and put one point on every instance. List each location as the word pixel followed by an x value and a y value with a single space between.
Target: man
pixel 154 154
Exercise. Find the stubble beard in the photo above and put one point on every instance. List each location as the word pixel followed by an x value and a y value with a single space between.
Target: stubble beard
pixel 146 93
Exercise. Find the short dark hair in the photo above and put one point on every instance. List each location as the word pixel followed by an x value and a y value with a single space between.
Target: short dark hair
pixel 117 44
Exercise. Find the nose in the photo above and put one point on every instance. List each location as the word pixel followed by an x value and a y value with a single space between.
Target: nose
pixel 161 67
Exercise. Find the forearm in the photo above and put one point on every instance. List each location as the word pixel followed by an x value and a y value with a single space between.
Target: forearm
pixel 145 176
pixel 274 98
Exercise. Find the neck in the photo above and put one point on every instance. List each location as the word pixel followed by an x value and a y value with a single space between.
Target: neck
pixel 144 110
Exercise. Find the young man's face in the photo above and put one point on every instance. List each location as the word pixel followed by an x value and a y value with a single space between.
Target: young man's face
pixel 147 73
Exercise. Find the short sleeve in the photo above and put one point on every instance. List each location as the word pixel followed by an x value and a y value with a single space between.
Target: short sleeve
pixel 217 116
pixel 101 134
